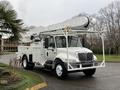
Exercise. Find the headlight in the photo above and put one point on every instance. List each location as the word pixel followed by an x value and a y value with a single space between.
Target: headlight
pixel 94 58
pixel 76 54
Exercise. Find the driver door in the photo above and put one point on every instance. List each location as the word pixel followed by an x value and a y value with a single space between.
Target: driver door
pixel 50 51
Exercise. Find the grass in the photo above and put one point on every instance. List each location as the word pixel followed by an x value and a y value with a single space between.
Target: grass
pixel 114 58
pixel 29 79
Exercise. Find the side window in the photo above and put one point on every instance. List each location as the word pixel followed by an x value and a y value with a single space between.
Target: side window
pixel 60 41
pixel 49 42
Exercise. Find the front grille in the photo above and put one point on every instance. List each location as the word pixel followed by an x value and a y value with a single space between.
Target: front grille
pixel 85 57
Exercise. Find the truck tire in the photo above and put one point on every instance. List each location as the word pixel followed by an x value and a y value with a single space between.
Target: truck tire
pixel 60 70
pixel 89 72
pixel 26 64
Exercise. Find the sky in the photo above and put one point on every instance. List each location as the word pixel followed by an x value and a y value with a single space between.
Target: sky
pixel 47 12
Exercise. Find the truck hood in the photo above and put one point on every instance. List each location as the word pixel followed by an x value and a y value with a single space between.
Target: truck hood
pixel 74 50
pixel 72 53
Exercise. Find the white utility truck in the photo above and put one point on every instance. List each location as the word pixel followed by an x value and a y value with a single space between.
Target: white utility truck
pixel 61 50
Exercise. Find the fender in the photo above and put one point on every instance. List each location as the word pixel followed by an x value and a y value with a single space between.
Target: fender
pixel 55 61
pixel 29 57
pixel 24 56
pixel 63 57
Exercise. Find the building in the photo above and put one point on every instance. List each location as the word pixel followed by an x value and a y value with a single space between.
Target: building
pixel 7 45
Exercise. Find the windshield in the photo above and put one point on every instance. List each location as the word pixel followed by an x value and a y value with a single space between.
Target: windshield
pixel 73 41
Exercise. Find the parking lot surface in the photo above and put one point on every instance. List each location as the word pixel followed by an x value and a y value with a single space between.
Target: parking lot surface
pixel 107 78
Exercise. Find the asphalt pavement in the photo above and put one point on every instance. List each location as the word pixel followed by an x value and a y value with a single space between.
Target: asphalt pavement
pixel 107 78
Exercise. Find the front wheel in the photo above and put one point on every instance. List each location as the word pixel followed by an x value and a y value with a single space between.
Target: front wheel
pixel 60 70
pixel 89 72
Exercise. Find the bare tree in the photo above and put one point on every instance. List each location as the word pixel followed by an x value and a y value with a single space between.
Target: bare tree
pixel 111 18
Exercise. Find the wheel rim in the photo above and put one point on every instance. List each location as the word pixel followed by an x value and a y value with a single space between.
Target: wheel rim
pixel 59 70
pixel 24 63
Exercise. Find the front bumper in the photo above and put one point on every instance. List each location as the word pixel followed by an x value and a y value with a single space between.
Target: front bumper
pixel 84 65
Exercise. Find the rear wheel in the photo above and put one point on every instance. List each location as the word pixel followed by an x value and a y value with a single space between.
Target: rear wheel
pixel 60 70
pixel 89 72
pixel 26 64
